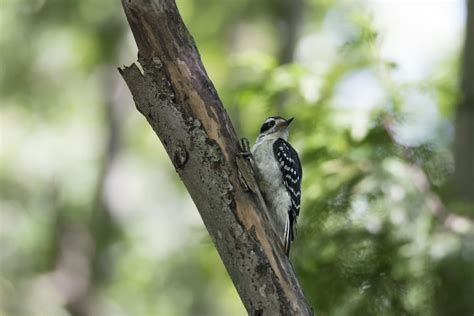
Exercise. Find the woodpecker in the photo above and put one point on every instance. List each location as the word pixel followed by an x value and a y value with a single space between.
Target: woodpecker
pixel 279 174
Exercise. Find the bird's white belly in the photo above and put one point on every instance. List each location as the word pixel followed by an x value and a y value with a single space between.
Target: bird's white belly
pixel 270 181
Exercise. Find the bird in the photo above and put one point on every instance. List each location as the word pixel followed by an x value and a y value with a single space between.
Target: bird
pixel 279 173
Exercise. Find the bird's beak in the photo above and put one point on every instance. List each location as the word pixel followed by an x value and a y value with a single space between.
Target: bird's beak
pixel 284 124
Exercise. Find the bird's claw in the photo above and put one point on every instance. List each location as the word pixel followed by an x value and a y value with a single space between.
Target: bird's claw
pixel 245 166
pixel 245 147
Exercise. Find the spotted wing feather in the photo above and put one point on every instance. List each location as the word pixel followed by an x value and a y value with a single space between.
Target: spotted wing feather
pixel 290 167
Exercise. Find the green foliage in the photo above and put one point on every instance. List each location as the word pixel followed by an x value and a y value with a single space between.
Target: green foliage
pixel 372 239
pixel 88 226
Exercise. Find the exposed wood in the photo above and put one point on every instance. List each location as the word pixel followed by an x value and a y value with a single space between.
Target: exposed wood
pixel 172 90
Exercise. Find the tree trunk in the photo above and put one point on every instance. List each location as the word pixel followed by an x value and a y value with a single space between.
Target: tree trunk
pixel 172 90
pixel 464 147
pixel 290 19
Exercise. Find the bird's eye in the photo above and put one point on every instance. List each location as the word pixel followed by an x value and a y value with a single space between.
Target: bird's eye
pixel 266 126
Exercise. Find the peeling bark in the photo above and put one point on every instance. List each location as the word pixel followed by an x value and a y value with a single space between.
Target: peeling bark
pixel 172 90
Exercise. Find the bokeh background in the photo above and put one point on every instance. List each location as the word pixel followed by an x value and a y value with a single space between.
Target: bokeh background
pixel 94 220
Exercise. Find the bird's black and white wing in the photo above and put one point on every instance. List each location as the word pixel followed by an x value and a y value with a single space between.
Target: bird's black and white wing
pixel 292 173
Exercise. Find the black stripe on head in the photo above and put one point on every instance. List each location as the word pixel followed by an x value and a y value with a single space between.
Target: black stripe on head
pixel 269 123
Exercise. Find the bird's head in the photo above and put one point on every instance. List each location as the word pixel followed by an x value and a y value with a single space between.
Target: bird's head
pixel 274 127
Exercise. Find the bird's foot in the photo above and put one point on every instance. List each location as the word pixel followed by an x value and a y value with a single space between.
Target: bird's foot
pixel 244 161
pixel 245 146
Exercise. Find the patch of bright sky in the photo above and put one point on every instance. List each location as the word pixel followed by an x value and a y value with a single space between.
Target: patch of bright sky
pixel 359 90
pixel 317 51
pixel 416 34
pixel 355 96
pixel 420 121
pixel 423 124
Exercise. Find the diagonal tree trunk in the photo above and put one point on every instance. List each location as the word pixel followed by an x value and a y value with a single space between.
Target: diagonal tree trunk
pixel 172 90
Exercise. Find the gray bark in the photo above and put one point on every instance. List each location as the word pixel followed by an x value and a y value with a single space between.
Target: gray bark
pixel 172 90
